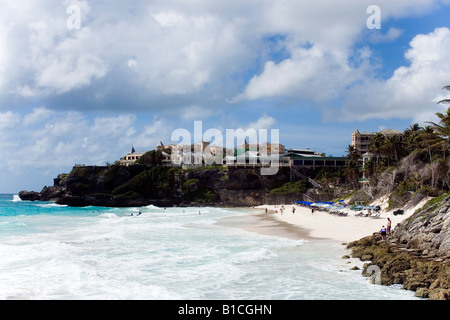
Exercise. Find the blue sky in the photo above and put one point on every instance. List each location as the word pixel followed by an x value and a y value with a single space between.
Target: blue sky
pixel 130 74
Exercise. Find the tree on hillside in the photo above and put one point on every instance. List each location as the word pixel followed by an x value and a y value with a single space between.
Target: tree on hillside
pixel 410 137
pixel 393 148
pixel 443 130
pixel 376 147
pixel 352 169
pixel 153 157
pixel 443 127
pixel 416 160
pixel 353 154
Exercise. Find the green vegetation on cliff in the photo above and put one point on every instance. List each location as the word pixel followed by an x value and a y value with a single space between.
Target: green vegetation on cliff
pixel 297 187
pixel 407 166
pixel 157 182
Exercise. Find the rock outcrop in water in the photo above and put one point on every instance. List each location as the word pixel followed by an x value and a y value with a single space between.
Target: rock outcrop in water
pixel 119 186
pixel 417 255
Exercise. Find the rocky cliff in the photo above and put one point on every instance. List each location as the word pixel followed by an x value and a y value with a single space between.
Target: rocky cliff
pixel 118 186
pixel 417 255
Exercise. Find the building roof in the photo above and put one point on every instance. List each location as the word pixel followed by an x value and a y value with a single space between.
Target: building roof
pixel 389 131
pixel 316 157
pixel 134 152
pixel 384 132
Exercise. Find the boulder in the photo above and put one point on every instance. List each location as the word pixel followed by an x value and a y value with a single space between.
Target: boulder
pixel 29 195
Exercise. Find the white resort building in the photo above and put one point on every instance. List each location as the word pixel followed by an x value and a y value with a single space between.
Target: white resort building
pixel 361 141
pixel 131 157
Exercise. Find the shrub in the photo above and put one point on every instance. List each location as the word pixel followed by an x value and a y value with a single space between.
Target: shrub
pixel 151 158
pixel 156 182
pixel 299 186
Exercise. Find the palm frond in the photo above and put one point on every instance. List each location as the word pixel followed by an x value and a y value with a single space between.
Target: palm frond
pixel 445 101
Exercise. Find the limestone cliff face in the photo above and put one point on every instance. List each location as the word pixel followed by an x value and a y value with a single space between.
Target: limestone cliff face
pixel 417 255
pixel 428 230
pixel 118 186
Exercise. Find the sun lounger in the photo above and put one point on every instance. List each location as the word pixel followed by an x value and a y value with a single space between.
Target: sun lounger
pixel 361 214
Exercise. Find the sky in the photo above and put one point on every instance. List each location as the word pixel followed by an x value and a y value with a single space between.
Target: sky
pixel 83 81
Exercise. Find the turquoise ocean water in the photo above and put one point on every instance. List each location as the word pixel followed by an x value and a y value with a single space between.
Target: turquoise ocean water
pixel 49 251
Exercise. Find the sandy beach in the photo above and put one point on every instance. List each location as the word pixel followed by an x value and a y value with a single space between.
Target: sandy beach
pixel 305 224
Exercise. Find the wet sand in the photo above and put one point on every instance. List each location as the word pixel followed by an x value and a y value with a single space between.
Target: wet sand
pixel 255 220
pixel 304 224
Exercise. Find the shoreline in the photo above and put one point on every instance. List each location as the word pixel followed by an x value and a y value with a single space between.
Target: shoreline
pixel 317 226
pixel 255 220
pixel 303 224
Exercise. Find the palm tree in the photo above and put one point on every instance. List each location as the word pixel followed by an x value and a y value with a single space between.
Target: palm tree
pixel 429 140
pixel 352 170
pixel 443 128
pixel 376 146
pixel 445 101
pixel 410 136
pixel 353 154
pixel 393 147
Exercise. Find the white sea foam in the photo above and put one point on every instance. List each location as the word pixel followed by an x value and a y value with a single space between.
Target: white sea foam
pixel 254 256
pixel 51 205
pixel 166 254
pixel 16 198
pixel 151 206
pixel 109 215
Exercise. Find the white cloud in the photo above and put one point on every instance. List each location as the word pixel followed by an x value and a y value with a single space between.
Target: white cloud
pixel 191 49
pixel 321 64
pixel 9 119
pixel 412 90
pixel 264 122
pixel 38 115
pixel 185 59
pixel 313 73
pixel 391 35
pixel 44 138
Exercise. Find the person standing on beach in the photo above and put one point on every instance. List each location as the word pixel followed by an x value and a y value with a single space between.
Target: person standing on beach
pixel 388 227
pixel 293 210
pixel 266 211
pixel 383 232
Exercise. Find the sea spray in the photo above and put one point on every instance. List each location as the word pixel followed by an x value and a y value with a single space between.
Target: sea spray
pixel 57 252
